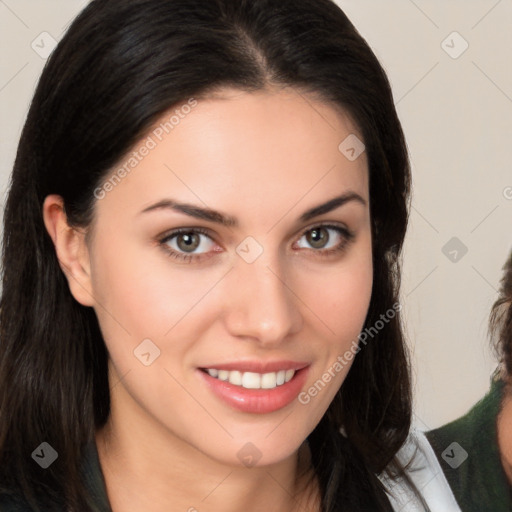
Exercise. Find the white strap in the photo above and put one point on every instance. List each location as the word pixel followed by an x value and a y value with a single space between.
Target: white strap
pixel 426 473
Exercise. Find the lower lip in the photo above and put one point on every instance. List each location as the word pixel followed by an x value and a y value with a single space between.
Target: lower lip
pixel 259 401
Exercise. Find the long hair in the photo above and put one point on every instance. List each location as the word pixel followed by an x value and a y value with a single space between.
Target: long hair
pixel 121 65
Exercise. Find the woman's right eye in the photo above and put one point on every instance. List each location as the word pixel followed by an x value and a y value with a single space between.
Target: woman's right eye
pixel 182 244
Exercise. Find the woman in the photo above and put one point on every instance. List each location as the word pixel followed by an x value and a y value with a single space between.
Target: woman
pixel 201 239
pixel 475 451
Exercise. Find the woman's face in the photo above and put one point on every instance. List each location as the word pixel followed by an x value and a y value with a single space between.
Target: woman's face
pixel 268 280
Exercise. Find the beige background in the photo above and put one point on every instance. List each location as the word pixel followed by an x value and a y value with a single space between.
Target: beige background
pixel 456 111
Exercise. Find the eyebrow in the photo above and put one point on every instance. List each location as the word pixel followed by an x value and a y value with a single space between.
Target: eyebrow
pixel 228 221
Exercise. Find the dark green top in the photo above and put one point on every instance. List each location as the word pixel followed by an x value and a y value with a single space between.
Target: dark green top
pixel 93 479
pixel 472 466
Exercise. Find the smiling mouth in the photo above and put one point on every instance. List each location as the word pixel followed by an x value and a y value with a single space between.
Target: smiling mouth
pixel 252 380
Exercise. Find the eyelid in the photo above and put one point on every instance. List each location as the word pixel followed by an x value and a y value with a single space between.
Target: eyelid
pixel 341 228
pixel 207 232
pixel 176 231
pixel 326 224
pixel 166 237
pixel 182 256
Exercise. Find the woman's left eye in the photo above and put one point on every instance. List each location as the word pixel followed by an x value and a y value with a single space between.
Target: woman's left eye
pixel 327 239
pixel 195 243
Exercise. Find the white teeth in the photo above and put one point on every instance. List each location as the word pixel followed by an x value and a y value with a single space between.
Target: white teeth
pixel 268 380
pixel 235 378
pixel 251 380
pixel 223 375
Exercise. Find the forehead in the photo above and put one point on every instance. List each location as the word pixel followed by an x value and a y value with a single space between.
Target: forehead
pixel 261 152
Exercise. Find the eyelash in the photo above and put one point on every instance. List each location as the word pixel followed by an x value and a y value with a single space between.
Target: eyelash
pixel 347 236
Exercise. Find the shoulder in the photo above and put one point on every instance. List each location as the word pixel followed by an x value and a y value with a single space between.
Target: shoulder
pixel 468 429
pixel 423 483
pixel 468 452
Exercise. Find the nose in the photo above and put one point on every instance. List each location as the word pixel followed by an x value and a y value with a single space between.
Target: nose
pixel 260 302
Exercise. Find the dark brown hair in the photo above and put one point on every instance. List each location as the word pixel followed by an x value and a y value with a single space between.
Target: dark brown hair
pixel 501 320
pixel 121 65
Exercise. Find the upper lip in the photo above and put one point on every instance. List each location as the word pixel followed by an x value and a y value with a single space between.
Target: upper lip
pixel 257 366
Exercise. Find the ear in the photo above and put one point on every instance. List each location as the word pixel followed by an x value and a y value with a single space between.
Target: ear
pixel 71 249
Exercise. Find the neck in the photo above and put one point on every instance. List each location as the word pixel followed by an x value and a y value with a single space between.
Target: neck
pixel 149 469
pixel 504 428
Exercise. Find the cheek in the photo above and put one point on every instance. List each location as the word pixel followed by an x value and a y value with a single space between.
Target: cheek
pixel 342 297
pixel 341 302
pixel 144 290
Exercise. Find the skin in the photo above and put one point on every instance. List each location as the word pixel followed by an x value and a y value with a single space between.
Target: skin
pixel 264 158
pixel 504 427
